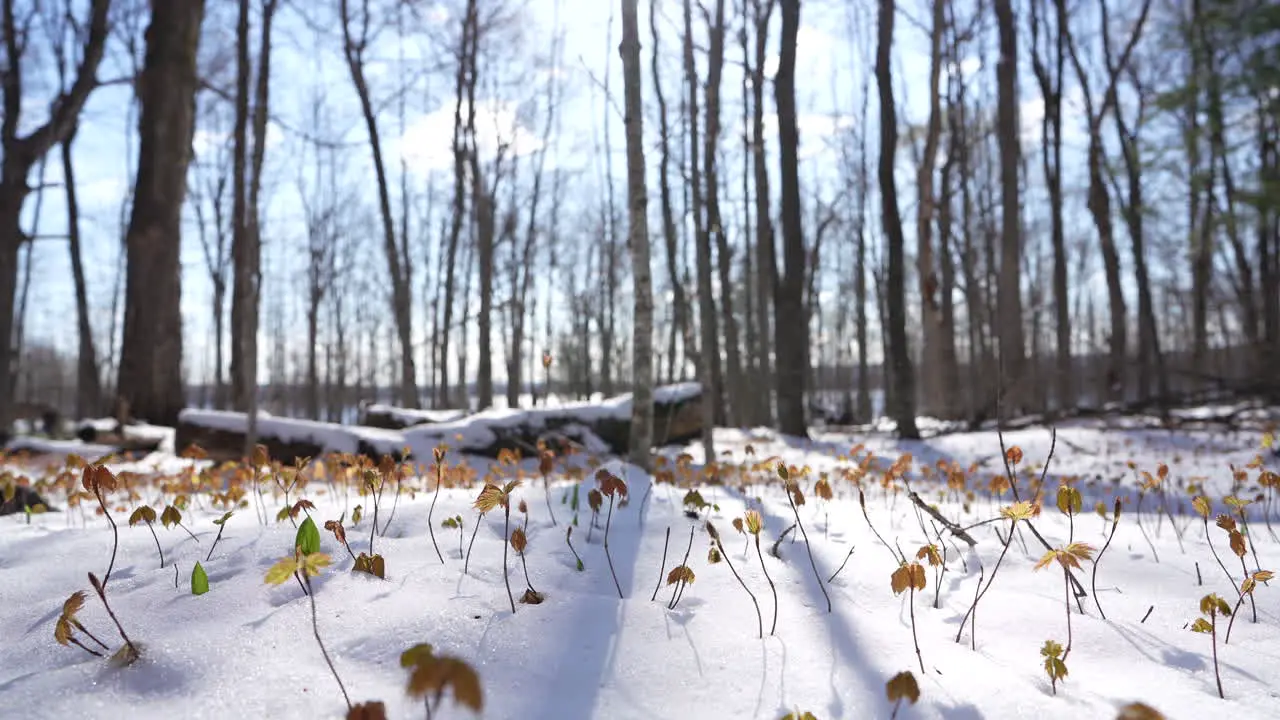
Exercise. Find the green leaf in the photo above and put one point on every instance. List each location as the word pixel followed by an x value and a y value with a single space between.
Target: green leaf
pixel 281 571
pixel 225 517
pixel 199 580
pixel 1201 626
pixel 308 537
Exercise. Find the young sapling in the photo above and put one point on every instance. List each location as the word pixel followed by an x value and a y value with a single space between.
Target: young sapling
pixel 520 541
pixel 98 480
pixel 490 498
pixel 1068 558
pixel 64 629
pixel 1247 587
pixel 439 453
pixel 222 525
pixel 1211 606
pixel 144 514
pixel 1055 664
pixel 662 569
pixel 308 565
pixel 129 652
pixel 755 526
pixel 173 516
pixel 796 498
pixel 681 575
pixel 614 487
pixel 910 576
pixel 339 534
pixel 454 522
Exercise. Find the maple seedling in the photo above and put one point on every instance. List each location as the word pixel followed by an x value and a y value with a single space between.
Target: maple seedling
pixel 680 576
pixel 755 526
pixel 520 541
pixel 1068 558
pixel 454 522
pixel 306 565
pixel 1055 663
pixel 97 479
pixel 222 525
pixel 796 498
pixel 798 714
pixel 569 534
pixel 431 674
pixel 595 500
pixel 129 652
pixel 64 630
pixel 1247 587
pixel 145 514
pixel 902 686
pixel 173 516
pixel 438 454
pixel 1211 606
pixel 910 577
pixel 339 534
pixel 615 488
pixel 490 498
pixel 717 554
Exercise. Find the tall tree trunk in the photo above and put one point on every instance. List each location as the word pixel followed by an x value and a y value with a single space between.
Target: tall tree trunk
pixel 733 390
pixel 708 351
pixel 638 241
pixel 1050 82
pixel 398 261
pixel 931 364
pixel 791 326
pixel 244 256
pixel 88 385
pixel 766 260
pixel 1012 343
pixel 902 409
pixel 150 380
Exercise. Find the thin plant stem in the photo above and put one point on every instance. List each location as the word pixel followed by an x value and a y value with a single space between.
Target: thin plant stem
pixel 839 569
pixel 76 624
pixel 1217 674
pixel 115 535
pixel 315 628
pixel 662 569
pixel 973 609
pixel 774 626
pixel 467 563
pixel 756 603
pixel 506 533
pixel 102 595
pixel 911 606
pixel 216 539
pixel 157 539
pixel 431 527
pixel 808 548
pixel 607 556
pixel 1093 580
pixel 675 593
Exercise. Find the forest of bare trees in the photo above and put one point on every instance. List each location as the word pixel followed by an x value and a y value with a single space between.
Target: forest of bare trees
pixel 427 203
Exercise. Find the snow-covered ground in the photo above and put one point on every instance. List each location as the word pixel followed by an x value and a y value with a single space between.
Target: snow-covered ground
pixel 246 649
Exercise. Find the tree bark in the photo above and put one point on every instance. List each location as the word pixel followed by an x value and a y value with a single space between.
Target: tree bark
pixel 638 240
pixel 766 261
pixel 1009 302
pixel 902 408
pixel 791 327
pixel 150 382
pixel 931 365
pixel 398 261
pixel 708 350
pixel 88 384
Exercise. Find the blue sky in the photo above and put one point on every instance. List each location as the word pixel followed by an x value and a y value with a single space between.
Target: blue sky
pixel 307 63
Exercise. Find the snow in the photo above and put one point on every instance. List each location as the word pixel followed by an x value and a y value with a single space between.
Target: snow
pixel 246 649
pixel 330 436
pixel 409 417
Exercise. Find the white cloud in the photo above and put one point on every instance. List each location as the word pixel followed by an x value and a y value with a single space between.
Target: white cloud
pixel 427 142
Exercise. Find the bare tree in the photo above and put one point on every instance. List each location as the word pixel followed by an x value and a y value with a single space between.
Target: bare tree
pixel 638 240
pixel 902 408
pixel 22 152
pixel 150 382
pixel 1009 303
pixel 791 326
pixel 356 37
